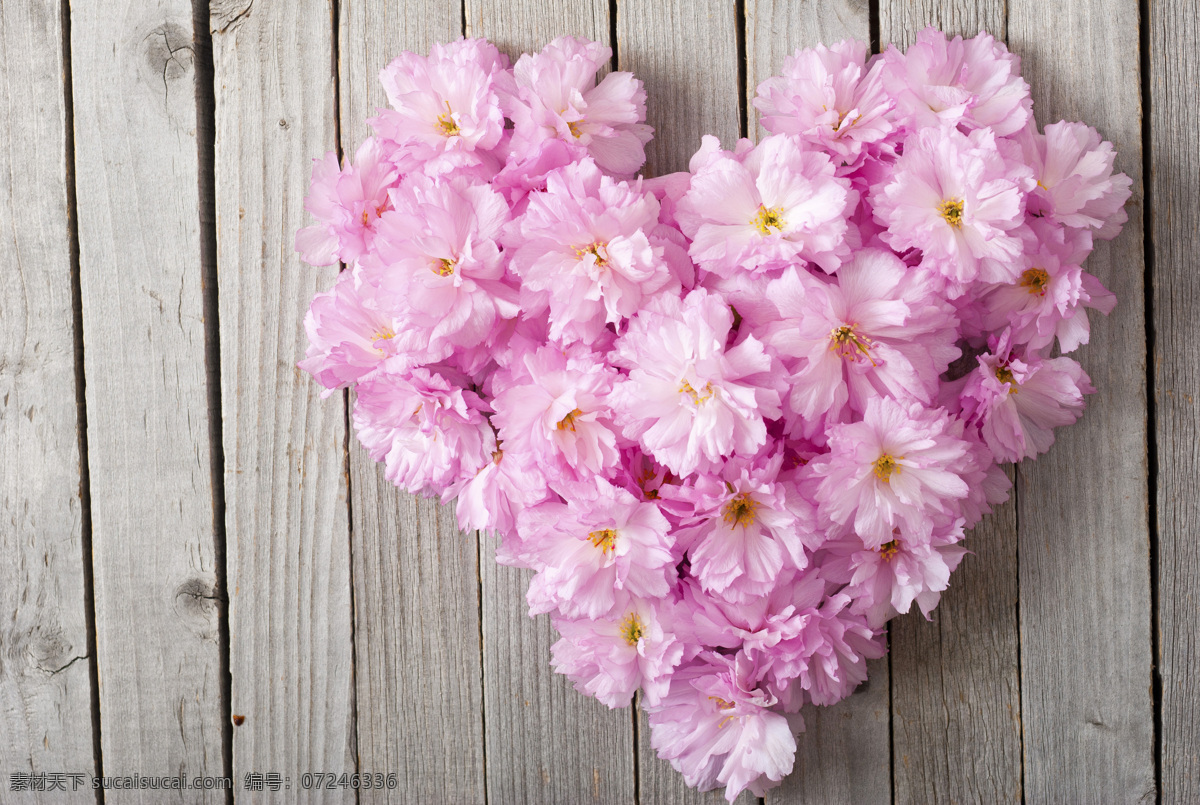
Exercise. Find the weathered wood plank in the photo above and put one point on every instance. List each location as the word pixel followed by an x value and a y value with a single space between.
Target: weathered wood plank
pixel 956 704
pixel 1175 191
pixel 134 78
pixel 287 524
pixel 956 698
pixel 545 741
pixel 687 55
pixel 1084 547
pixel 901 20
pixel 45 689
pixel 416 584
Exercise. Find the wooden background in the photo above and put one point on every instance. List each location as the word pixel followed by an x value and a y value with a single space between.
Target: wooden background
pixel 188 538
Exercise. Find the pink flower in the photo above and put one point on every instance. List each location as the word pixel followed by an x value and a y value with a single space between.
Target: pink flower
pixel 553 408
pixel 583 248
pixel 1076 186
pixel 347 204
pixel 1047 300
pixel 559 99
pixel 876 328
pixel 1018 402
pixel 898 468
pixel 427 431
pixel 958 199
pixel 352 333
pixel 492 499
pixel 438 249
pixel 688 400
pixel 613 656
pixel 972 84
pixel 742 529
pixel 829 99
pixel 774 204
pixel 888 579
pixel 716 726
pixel 590 549
pixel 446 108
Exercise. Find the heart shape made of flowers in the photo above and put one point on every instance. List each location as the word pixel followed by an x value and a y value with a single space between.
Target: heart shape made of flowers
pixel 735 418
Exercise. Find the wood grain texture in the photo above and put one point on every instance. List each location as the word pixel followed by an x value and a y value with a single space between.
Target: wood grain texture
pixel 418 670
pixel 1087 712
pixel 1175 189
pixel 526 26
pixel 775 29
pixel 842 755
pixel 686 54
pixel 956 698
pixel 901 20
pixel 956 701
pixel 546 742
pixel 134 81
pixel 287 524
pixel 45 690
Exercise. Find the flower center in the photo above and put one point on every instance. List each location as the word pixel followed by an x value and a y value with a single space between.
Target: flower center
pixel 596 250
pixel 443 267
pixel 849 344
pixel 568 422
pixel 740 510
pixel 885 465
pixel 632 629
pixel 446 123
pixel 1005 375
pixel 951 210
pixel 768 219
pixel 384 333
pixel 573 127
pixel 697 396
pixel 1036 280
pixel 888 550
pixel 603 539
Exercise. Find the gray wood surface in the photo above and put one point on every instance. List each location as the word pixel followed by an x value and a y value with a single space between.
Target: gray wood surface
pixel 956 698
pixel 686 53
pixel 136 170
pixel 1174 187
pixel 1087 711
pixel 956 701
pixel 45 689
pixel 287 524
pixel 418 671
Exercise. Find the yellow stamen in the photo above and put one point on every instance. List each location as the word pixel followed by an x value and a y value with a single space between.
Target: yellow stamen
pixel 443 267
pixel 632 629
pixel 888 550
pixel 597 250
pixel 740 510
pixel 697 396
pixel 885 465
pixel 849 344
pixel 1036 280
pixel 568 422
pixel 446 122
pixel 1005 375
pixel 603 539
pixel 768 219
pixel 951 210
pixel 573 127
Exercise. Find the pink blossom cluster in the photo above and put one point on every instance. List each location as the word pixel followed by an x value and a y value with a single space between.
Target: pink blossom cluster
pixel 735 418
